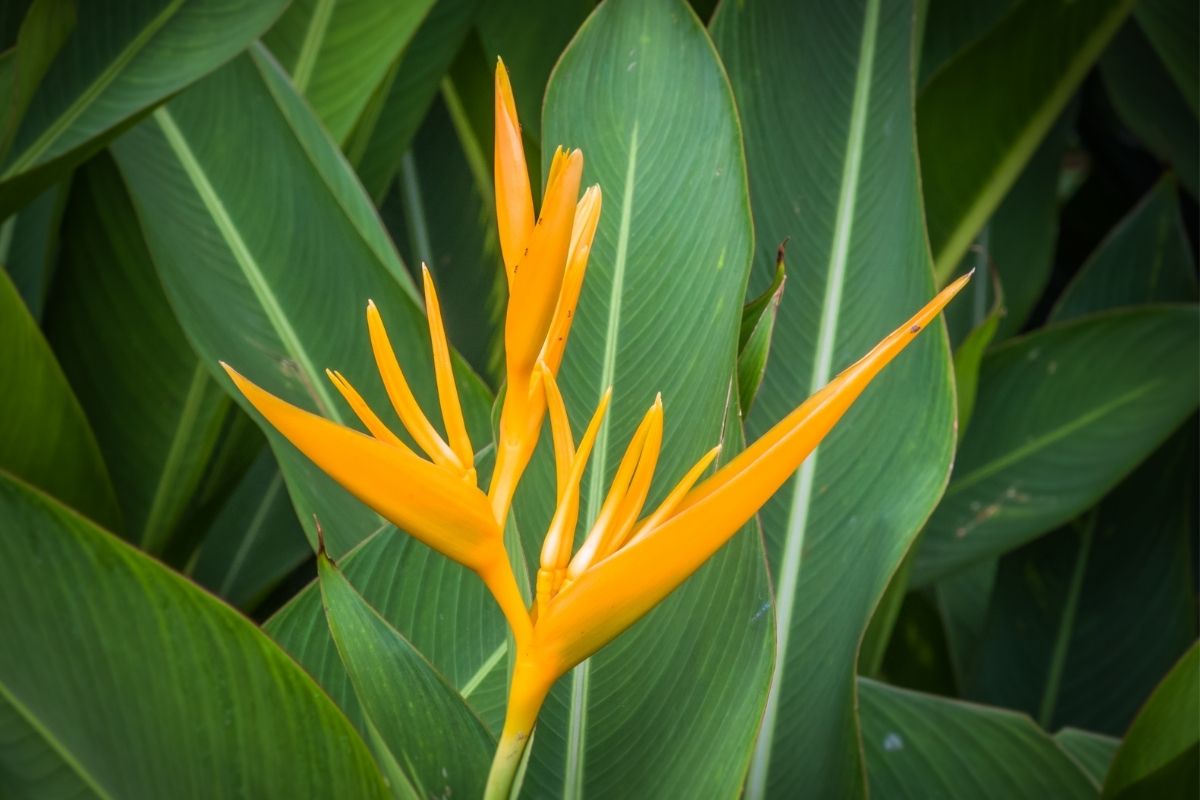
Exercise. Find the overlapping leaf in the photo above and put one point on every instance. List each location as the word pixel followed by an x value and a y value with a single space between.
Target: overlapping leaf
pixel 922 746
pixel 1052 432
pixel 180 695
pixel 45 438
pixel 154 406
pixel 122 58
pixel 982 116
pixel 340 52
pixel 825 93
pixel 425 730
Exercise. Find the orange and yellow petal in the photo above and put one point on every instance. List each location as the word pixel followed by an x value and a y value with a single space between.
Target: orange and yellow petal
pixel 587 217
pixel 514 199
pixel 417 496
pixel 414 419
pixel 443 367
pixel 611 595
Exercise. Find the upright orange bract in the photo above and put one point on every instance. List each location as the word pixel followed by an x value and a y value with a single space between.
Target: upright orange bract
pixel 628 562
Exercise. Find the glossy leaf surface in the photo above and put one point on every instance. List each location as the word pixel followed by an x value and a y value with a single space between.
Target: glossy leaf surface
pixel 180 696
pixel 45 439
pixel 423 725
pixel 825 95
pixel 925 746
pixel 1050 434
pixel 121 59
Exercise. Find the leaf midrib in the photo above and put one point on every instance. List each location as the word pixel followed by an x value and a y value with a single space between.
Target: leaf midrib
pixel 6 696
pixel 310 48
pixel 246 261
pixel 253 531
pixel 1045 440
pixel 577 713
pixel 796 533
pixel 1007 168
pixel 93 90
pixel 152 539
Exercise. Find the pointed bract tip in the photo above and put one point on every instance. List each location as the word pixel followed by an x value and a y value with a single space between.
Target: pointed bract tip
pixel 321 551
pixel 371 305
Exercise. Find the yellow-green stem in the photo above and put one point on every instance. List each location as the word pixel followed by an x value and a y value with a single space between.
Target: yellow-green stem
pixel 530 685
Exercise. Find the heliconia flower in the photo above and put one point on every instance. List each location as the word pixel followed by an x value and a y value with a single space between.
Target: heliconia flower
pixel 625 567
pixel 544 261
pixel 434 498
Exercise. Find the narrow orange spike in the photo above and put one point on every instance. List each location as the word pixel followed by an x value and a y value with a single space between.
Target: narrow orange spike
pixel 363 411
pixel 419 497
pixel 599 539
pixel 646 526
pixel 414 419
pixel 514 199
pixel 639 489
pixel 538 278
pixel 614 593
pixel 560 429
pixel 560 537
pixel 557 162
pixel 587 216
pixel 452 415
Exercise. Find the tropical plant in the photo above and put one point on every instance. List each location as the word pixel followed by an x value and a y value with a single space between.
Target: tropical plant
pixel 615 561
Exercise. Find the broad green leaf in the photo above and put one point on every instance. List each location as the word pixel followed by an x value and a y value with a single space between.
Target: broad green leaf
pixel 951 26
pixel 1173 26
pixel 255 541
pixel 642 93
pixel 1099 612
pixel 124 57
pixel 1146 258
pixel 1091 751
pixel 391 119
pixel 339 52
pixel 46 26
pixel 423 725
pixel 1160 755
pixel 155 408
pixel 1062 415
pixel 922 746
pixel 754 337
pixel 29 766
pixel 825 93
pixel 269 250
pixel 29 244
pixel 45 438
pixel 178 695
pixel 981 117
pixel 439 606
